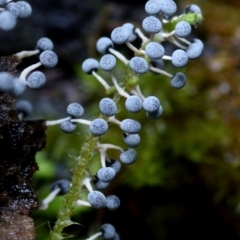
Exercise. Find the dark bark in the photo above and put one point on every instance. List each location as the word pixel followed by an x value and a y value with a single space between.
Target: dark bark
pixel 19 142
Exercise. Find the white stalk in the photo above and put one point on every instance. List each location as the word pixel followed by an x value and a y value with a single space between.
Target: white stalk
pixel 101 80
pixel 141 35
pixel 119 89
pixel 82 121
pixel 87 184
pixel 24 54
pixel 157 70
pixel 49 198
pixel 118 55
pixel 114 120
pixel 27 70
pixel 137 91
pixel 94 236
pixel 134 49
pixel 107 146
pixel 56 122
pixel 83 203
pixel 165 57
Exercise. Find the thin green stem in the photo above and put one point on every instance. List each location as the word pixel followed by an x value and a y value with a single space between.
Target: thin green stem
pixel 79 174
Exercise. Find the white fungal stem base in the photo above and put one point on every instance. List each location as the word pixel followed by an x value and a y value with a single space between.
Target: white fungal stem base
pixel 134 49
pixel 119 89
pixel 24 54
pixel 183 40
pixel 56 122
pixel 165 57
pixel 168 35
pixel 141 35
pixel 114 120
pixel 101 80
pixel 157 70
pixel 174 41
pixel 103 157
pixel 49 198
pixel 83 203
pixel 87 184
pixel 137 91
pixel 94 236
pixel 106 146
pixel 118 55
pixel 27 70
pixel 82 121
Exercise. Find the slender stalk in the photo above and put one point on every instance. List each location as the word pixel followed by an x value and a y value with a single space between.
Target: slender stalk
pixel 79 174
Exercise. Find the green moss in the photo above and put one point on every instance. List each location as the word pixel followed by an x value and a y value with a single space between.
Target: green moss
pixel 191 18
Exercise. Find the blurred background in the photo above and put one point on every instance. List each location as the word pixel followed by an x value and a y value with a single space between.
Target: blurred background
pixel 186 181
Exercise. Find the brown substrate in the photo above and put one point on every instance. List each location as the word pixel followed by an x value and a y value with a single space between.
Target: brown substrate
pixel 19 141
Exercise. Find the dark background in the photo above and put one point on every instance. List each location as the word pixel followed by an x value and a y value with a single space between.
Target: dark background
pixel 186 181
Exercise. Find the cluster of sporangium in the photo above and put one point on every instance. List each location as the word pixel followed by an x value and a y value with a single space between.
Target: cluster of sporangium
pixel 162 24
